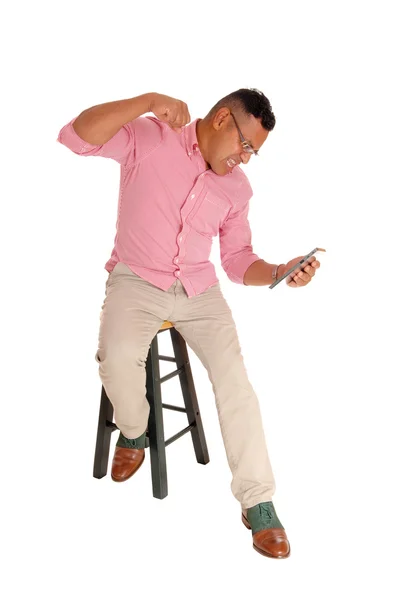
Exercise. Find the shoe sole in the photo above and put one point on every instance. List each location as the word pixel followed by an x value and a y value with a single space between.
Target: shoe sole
pixel 247 524
pixel 131 475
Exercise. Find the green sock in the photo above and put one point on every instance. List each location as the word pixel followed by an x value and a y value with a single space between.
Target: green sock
pixel 263 516
pixel 124 442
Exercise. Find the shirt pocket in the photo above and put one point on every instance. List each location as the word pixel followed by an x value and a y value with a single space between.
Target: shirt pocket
pixel 208 215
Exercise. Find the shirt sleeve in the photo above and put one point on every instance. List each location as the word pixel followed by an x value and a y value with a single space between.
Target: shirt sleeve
pixel 235 243
pixel 131 144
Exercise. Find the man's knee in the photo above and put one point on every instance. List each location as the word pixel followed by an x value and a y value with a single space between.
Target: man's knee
pixel 117 358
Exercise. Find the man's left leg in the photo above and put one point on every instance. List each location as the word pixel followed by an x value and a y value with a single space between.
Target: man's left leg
pixel 206 323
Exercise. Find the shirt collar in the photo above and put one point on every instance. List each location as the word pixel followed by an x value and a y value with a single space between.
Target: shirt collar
pixel 191 141
pixel 192 144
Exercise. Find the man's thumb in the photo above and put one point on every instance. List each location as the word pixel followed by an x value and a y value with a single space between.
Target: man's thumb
pixel 176 129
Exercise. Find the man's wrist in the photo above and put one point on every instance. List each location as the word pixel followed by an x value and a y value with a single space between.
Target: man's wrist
pixel 281 270
pixel 278 271
pixel 149 100
pixel 262 273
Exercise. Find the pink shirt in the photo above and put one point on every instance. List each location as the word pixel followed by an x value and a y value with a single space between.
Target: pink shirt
pixel 171 206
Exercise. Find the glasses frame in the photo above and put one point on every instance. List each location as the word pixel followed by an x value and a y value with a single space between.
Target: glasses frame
pixel 247 147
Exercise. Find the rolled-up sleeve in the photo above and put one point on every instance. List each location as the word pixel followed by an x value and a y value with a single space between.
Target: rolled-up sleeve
pixel 235 243
pixel 133 142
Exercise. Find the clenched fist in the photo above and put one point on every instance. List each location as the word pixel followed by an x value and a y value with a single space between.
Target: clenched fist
pixel 170 110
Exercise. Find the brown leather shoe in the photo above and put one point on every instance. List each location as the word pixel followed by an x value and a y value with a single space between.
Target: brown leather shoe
pixel 126 462
pixel 270 542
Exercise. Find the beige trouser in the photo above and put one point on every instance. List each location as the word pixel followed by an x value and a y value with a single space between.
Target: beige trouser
pixel 131 316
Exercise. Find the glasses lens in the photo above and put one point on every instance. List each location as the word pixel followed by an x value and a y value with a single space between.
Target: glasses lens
pixel 248 148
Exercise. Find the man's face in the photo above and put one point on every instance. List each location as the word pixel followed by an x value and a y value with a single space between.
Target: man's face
pixel 225 150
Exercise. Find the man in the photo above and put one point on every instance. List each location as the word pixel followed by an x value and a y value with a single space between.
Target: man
pixel 181 185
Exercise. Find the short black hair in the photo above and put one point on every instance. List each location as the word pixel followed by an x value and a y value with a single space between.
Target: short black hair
pixel 252 102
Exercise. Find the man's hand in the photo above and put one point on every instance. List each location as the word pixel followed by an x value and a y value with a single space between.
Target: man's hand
pixel 300 277
pixel 170 110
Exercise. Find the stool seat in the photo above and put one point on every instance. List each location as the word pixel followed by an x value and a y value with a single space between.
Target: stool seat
pixel 166 325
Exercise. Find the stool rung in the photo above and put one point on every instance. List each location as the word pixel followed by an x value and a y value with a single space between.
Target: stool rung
pixel 179 434
pixel 171 407
pixel 168 358
pixel 170 375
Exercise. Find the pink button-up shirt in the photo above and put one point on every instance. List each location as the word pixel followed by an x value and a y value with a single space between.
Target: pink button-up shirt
pixel 171 206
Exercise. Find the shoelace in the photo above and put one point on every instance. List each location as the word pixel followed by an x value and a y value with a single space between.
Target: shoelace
pixel 265 511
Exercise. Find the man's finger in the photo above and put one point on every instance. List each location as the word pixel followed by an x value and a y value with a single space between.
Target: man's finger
pixel 303 276
pixel 302 279
pixel 173 118
pixel 292 283
pixel 178 122
pixel 310 271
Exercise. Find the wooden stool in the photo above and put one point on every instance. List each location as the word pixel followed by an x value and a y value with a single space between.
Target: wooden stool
pixel 155 431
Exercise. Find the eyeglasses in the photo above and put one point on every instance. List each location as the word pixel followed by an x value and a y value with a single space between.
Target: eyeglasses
pixel 247 147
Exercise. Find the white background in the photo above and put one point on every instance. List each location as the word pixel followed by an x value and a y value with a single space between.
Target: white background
pixel 323 359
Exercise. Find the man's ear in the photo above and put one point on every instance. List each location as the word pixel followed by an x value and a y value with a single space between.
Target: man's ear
pixel 221 118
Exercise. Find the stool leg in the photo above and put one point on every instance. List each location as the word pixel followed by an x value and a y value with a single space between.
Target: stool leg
pixel 190 397
pixel 156 424
pixel 103 436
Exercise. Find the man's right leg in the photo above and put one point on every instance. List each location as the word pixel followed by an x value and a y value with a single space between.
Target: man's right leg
pixel 131 316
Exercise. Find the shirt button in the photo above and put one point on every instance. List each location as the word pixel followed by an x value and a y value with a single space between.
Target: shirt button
pixel 177 273
pixel 192 196
pixel 176 260
pixel 180 238
pixel 189 154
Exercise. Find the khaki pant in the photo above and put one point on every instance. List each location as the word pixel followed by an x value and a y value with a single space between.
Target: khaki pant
pixel 131 316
